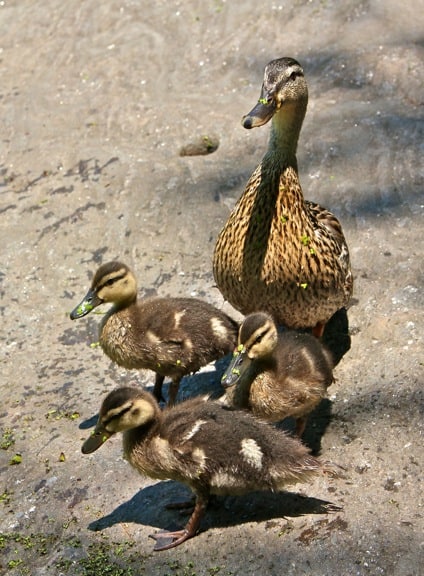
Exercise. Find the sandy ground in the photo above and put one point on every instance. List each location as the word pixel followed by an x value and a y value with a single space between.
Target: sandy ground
pixel 97 100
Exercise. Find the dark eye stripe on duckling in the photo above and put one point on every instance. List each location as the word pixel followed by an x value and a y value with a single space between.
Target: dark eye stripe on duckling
pixel 250 325
pixel 256 337
pixel 116 413
pixel 110 279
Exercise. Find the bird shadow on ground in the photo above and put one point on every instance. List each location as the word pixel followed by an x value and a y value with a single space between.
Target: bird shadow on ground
pixel 227 511
pixel 316 426
pixel 336 335
pixel 89 422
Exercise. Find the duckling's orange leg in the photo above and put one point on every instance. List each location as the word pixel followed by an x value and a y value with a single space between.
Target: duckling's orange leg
pixel 167 540
pixel 318 330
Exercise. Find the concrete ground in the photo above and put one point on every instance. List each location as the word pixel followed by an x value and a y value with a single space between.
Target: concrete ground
pixel 97 100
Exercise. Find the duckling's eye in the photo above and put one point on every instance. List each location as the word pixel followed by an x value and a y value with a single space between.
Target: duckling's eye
pixel 293 75
pixel 109 282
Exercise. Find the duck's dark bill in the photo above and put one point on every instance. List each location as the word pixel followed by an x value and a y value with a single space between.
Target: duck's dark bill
pixel 260 114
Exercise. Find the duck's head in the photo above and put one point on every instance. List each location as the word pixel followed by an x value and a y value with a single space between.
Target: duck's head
pixel 113 282
pixel 284 86
pixel 257 340
pixel 122 409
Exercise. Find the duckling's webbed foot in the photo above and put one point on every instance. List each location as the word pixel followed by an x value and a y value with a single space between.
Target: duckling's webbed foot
pixel 167 540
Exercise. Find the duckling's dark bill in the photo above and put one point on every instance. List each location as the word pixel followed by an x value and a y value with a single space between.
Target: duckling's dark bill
pixel 93 442
pixel 90 301
pixel 233 372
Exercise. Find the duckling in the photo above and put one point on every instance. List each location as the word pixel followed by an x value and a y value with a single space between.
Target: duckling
pixel 279 252
pixel 171 336
pixel 203 445
pixel 276 375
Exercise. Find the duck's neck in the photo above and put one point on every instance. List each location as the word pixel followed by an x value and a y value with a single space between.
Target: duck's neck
pixel 285 130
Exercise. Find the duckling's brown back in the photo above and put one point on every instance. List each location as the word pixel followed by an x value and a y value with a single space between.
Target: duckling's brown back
pixel 236 452
pixel 302 356
pixel 171 336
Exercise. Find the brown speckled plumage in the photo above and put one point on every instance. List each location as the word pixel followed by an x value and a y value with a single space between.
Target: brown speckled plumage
pixel 278 252
pixel 171 336
pixel 277 375
pixel 207 447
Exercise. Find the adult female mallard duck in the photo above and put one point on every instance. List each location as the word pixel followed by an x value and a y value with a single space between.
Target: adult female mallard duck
pixel 171 336
pixel 276 375
pixel 201 444
pixel 278 252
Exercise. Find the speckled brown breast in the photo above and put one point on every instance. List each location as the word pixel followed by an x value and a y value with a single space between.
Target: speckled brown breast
pixel 280 254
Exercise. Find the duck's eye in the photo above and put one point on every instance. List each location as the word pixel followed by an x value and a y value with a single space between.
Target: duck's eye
pixel 293 76
pixel 109 282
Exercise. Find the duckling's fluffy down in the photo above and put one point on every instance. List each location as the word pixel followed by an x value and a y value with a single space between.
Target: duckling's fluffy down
pixel 201 443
